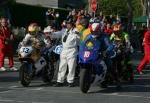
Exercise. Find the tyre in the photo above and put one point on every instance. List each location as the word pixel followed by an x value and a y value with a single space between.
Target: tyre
pixel 85 79
pixel 56 67
pixel 24 74
pixel 48 73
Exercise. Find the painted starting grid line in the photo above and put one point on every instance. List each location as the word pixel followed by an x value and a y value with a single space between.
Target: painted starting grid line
pixel 76 92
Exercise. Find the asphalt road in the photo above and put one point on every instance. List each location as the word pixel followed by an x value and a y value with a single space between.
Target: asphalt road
pixel 11 91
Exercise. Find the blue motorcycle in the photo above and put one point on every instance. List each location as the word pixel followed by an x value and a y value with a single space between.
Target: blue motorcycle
pixel 92 67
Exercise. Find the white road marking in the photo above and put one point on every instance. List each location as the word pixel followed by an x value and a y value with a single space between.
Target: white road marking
pixel 6 100
pixel 9 100
pixel 5 91
pixel 14 86
pixel 20 101
pixel 109 94
pixel 37 89
pixel 124 95
pixel 44 102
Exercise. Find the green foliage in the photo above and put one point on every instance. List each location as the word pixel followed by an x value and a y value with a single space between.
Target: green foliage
pixel 113 7
pixel 119 7
pixel 137 8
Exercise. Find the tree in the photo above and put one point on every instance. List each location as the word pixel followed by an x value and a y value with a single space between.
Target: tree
pixel 113 7
pixel 119 7
pixel 137 8
pixel 130 14
pixel 144 6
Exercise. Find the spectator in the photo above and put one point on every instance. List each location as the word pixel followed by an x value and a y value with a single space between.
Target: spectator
pixel 82 13
pixel 87 15
pixel 133 38
pixel 146 58
pixel 108 30
pixel 78 18
pixel 142 31
pixel 6 38
pixel 50 16
pixel 69 16
pixel 74 15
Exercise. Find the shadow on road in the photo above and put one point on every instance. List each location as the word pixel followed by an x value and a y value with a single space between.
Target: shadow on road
pixel 140 85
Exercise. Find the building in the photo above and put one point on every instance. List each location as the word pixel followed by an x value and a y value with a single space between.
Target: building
pixel 22 12
pixel 54 3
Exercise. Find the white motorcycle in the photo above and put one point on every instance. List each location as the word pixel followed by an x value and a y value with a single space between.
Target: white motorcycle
pixel 33 65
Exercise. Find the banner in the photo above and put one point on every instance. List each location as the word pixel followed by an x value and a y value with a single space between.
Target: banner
pixel 93 5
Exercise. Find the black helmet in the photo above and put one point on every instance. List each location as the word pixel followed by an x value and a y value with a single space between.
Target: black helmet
pixel 84 22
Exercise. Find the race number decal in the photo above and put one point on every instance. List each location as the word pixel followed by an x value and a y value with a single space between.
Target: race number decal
pixel 87 54
pixel 58 49
pixel 26 50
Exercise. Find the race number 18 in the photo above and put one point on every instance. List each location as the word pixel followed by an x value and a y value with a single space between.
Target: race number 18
pixel 86 54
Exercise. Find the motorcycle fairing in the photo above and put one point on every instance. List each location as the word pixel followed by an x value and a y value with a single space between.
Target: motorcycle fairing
pixel 89 50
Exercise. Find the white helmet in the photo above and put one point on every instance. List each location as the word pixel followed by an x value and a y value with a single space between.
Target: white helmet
pixel 48 29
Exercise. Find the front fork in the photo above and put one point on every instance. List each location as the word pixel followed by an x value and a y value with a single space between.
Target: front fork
pixel 30 69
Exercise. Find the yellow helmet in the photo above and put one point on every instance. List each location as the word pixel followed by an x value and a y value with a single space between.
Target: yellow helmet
pixel 33 28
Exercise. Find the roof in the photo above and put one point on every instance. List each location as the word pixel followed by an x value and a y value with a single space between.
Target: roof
pixel 3 2
pixel 42 3
pixel 53 3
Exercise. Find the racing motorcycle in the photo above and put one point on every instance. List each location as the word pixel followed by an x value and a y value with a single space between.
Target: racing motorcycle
pixel 33 65
pixel 92 67
pixel 122 71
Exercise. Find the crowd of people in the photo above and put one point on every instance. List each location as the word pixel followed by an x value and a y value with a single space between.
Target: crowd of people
pixel 72 32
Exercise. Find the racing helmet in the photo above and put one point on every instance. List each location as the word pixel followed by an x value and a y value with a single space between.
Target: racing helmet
pixel 95 27
pixel 84 22
pixel 33 28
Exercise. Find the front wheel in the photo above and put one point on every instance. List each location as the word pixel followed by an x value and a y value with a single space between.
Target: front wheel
pixel 24 74
pixel 48 73
pixel 85 80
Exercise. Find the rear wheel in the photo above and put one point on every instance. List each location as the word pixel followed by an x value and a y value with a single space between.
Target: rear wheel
pixel 85 80
pixel 25 77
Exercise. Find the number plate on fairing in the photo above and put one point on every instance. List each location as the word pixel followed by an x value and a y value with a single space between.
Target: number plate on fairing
pixel 25 51
pixel 87 54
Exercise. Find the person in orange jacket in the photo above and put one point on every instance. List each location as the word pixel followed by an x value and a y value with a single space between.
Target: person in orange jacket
pixel 6 48
pixel 146 58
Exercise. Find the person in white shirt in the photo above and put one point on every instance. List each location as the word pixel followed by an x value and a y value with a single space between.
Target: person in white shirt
pixel 68 56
